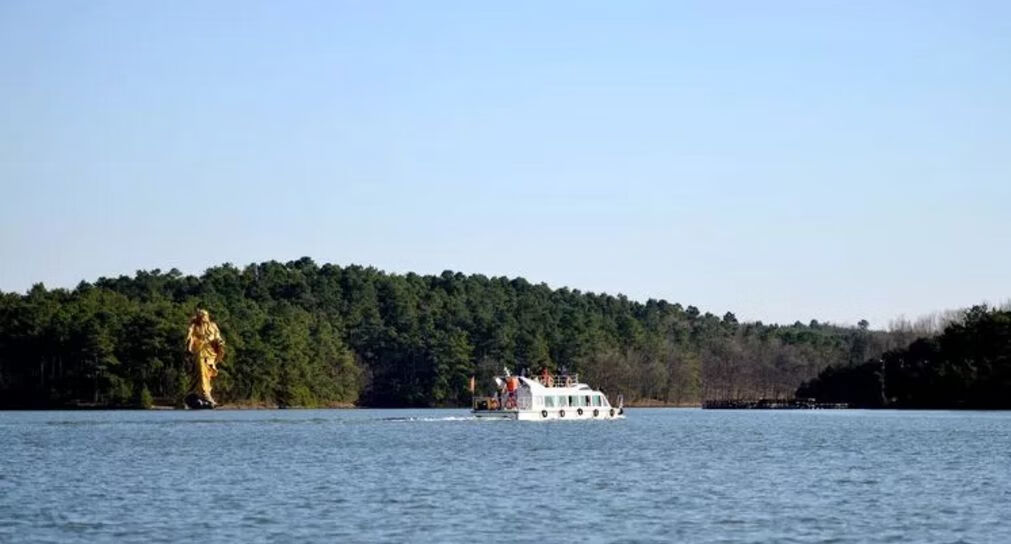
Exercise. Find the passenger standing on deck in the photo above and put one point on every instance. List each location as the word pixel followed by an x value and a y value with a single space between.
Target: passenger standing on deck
pixel 546 380
pixel 511 385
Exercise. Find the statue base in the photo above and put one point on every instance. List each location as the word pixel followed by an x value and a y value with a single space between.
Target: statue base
pixel 196 402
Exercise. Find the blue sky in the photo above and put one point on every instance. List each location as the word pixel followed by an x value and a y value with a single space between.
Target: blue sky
pixel 782 160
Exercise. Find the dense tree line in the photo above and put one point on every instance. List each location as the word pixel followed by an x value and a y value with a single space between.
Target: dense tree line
pixel 966 366
pixel 300 334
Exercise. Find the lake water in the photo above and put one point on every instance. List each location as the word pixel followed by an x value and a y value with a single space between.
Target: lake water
pixel 662 475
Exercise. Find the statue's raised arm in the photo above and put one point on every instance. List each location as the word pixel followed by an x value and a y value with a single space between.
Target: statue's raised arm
pixel 207 348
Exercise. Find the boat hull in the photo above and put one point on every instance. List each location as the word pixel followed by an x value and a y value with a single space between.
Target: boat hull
pixel 550 415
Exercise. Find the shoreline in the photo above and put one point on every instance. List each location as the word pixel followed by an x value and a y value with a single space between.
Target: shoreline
pixel 242 407
pixel 253 407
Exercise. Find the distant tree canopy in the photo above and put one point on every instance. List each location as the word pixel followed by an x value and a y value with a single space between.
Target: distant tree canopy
pixel 300 334
pixel 966 366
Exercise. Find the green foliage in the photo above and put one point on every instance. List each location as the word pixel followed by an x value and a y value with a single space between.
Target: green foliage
pixel 144 398
pixel 967 366
pixel 299 334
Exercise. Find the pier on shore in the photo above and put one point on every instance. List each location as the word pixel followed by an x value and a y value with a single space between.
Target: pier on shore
pixel 770 404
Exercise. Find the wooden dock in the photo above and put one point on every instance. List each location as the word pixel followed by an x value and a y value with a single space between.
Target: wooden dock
pixel 770 404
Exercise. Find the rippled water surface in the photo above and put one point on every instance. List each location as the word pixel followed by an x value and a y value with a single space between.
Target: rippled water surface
pixel 440 476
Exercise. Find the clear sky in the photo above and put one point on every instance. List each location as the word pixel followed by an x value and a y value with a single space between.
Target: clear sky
pixel 782 160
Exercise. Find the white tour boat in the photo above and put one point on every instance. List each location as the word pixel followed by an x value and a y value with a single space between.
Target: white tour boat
pixel 546 397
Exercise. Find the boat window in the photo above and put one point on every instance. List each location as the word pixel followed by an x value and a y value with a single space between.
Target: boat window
pixel 561 402
pixel 586 401
pixel 549 402
pixel 573 401
pixel 596 400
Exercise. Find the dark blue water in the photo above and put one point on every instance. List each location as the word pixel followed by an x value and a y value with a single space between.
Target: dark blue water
pixel 438 476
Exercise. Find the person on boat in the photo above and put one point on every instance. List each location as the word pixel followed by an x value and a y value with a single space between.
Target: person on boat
pixel 546 380
pixel 512 383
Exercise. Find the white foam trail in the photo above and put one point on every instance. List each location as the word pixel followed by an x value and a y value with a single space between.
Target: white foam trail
pixel 447 418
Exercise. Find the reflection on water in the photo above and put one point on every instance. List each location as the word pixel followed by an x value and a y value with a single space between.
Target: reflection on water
pixel 441 476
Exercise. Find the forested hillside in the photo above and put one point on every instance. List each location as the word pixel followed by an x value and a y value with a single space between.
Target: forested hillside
pixel 967 366
pixel 299 334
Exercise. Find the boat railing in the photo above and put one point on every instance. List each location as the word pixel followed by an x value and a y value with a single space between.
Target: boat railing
pixel 486 403
pixel 555 380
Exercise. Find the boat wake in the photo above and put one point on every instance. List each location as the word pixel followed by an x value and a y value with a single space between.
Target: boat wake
pixel 446 418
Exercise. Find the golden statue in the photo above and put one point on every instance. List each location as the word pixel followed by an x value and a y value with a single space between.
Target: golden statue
pixel 205 344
